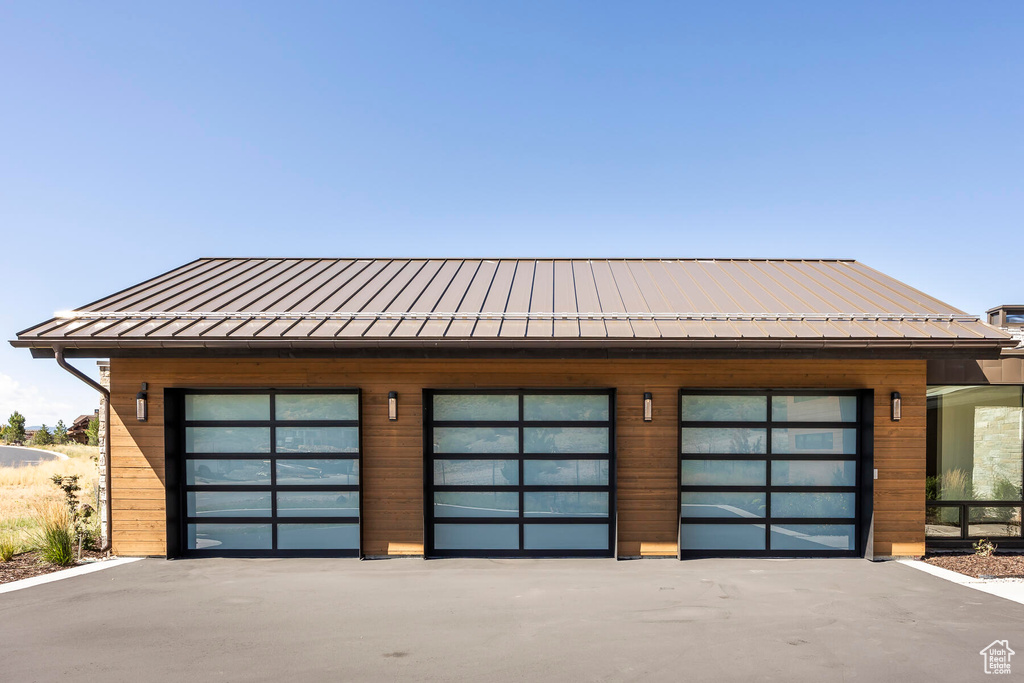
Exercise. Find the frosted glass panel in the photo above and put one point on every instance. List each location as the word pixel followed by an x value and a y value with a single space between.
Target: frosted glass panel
pixel 227 407
pixel 318 439
pixel 476 472
pixel 721 536
pixel 814 473
pixel 227 472
pixel 813 537
pixel 478 407
pixel 316 407
pixel 228 503
pixel 566 536
pixel 229 536
pixel 722 504
pixel 565 504
pixel 317 472
pixel 814 440
pixel 723 472
pixel 227 439
pixel 565 472
pixel 813 505
pixel 723 440
pixel 318 536
pixel 565 408
pixel 476 440
pixel 814 408
pixel 565 440
pixel 476 536
pixel 695 408
pixel 476 504
pixel 318 504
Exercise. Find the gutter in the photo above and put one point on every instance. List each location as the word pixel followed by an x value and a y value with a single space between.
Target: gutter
pixel 58 354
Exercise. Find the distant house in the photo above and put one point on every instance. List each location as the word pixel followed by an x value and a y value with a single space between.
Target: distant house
pixel 79 429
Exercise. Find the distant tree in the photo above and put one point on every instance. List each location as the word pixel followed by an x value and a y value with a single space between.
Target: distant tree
pixel 60 433
pixel 42 437
pixel 15 431
pixel 93 432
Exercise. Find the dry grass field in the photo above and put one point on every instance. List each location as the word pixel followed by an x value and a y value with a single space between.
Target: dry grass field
pixel 24 489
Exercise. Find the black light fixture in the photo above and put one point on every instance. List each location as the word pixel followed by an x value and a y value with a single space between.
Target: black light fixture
pixel 648 406
pixel 141 407
pixel 392 405
pixel 897 406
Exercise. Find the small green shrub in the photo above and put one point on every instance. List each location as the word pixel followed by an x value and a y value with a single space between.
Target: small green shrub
pixel 55 537
pixel 984 548
pixel 8 548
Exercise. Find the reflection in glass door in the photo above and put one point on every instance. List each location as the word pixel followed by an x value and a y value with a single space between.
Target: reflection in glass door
pixel 513 473
pixel 769 472
pixel 271 473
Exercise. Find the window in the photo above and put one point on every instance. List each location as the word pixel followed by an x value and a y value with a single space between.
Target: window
pixel 271 472
pixel 768 472
pixel 516 473
pixel 975 462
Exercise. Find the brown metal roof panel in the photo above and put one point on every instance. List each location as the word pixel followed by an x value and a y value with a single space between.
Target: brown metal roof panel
pixel 658 300
pixel 332 298
pixel 611 301
pixel 772 295
pixel 383 299
pixel 926 304
pixel 224 328
pixel 68 327
pixel 721 291
pixel 779 329
pixel 633 300
pixel 157 299
pixel 302 328
pixel 676 300
pixel 199 327
pixel 473 301
pixel 356 298
pixel 276 329
pixel 883 299
pixel 518 300
pixel 89 328
pixel 699 300
pixel 821 298
pixel 406 299
pixel 195 297
pixel 565 301
pixel 307 295
pixel 237 296
pixel 122 328
pixel 272 300
pixel 497 298
pixel 587 300
pixel 269 288
pixel 450 299
pixel 250 328
pixel 748 293
pixel 851 296
pixel 876 329
pixel 428 299
pixel 542 300
pixel 130 298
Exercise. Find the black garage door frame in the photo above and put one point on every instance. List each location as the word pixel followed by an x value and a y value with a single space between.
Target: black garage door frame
pixel 521 489
pixel 864 488
pixel 175 482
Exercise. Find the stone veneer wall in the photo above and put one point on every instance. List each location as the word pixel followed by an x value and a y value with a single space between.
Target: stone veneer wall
pixel 997 447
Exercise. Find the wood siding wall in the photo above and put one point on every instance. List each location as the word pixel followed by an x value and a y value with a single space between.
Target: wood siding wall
pixel 393 451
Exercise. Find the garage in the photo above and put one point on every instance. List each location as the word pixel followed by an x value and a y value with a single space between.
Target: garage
pixel 265 473
pixel 519 473
pixel 774 473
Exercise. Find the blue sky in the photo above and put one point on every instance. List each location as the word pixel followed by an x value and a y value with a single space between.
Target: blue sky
pixel 137 136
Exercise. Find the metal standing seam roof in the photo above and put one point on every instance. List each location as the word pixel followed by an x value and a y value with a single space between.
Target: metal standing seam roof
pixel 299 302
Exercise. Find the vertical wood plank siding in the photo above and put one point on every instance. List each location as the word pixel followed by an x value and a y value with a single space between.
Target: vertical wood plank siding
pixel 392 465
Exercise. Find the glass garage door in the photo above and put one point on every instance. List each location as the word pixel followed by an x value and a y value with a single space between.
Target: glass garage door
pixel 769 473
pixel 520 474
pixel 271 473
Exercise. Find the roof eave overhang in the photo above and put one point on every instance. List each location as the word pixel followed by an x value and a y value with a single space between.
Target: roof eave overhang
pixel 915 347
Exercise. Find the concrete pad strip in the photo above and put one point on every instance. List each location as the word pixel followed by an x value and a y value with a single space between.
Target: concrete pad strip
pixel 1010 589
pixel 66 573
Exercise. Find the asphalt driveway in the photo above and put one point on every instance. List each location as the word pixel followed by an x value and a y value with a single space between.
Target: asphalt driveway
pixel 11 456
pixel 507 620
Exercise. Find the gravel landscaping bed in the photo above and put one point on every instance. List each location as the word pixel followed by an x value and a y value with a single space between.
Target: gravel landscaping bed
pixel 27 565
pixel 996 566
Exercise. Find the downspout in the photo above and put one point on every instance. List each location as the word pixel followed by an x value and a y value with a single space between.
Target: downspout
pixel 58 353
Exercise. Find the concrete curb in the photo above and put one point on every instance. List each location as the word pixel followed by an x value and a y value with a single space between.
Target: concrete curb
pixel 66 573
pixel 1009 589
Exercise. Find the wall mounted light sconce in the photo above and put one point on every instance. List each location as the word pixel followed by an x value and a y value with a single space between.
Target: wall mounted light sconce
pixel 141 404
pixel 392 405
pixel 648 406
pixel 897 406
